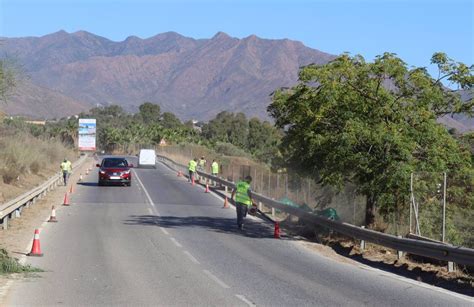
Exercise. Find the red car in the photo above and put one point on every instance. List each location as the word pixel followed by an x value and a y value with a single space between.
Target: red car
pixel 115 170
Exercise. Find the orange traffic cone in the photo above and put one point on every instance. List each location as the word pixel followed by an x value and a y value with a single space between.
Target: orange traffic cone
pixel 192 180
pixel 71 190
pixel 66 200
pixel 53 219
pixel 226 203
pixel 207 189
pixel 276 234
pixel 35 248
pixel 179 174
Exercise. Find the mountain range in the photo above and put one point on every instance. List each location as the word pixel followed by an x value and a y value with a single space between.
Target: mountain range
pixel 193 78
pixel 67 73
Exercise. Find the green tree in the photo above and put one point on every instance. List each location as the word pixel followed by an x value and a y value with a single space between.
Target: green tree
pixel 69 132
pixel 170 121
pixel 149 112
pixel 263 140
pixel 372 124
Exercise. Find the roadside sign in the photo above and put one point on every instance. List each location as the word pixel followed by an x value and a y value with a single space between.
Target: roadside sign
pixel 87 134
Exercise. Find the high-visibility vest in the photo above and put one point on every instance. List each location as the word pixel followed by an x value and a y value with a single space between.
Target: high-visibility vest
pixel 215 167
pixel 241 195
pixel 66 166
pixel 192 165
pixel 202 163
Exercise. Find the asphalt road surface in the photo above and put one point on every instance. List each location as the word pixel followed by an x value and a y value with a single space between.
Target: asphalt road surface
pixel 164 242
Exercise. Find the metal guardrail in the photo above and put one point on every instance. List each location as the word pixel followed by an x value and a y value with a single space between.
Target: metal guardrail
pixel 440 251
pixel 26 199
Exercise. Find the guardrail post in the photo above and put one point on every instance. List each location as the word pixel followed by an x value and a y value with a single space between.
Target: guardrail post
pixel 450 266
pixel 18 213
pixel 225 188
pixel 273 212
pixel 260 206
pixel 5 223
pixel 399 253
pixel 362 243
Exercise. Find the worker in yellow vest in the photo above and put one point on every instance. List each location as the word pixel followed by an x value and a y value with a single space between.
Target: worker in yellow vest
pixel 243 200
pixel 192 168
pixel 66 169
pixel 214 168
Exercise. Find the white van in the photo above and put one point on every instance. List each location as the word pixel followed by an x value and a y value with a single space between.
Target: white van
pixel 147 158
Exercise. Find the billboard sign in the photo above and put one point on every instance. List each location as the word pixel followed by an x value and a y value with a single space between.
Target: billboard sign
pixel 87 134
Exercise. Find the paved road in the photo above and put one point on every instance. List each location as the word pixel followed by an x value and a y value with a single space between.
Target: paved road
pixel 163 242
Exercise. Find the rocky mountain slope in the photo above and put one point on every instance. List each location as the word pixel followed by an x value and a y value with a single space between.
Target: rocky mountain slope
pixel 192 78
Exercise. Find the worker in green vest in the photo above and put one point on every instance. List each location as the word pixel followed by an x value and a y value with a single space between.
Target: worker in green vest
pixel 243 199
pixel 66 169
pixel 192 168
pixel 214 168
pixel 202 164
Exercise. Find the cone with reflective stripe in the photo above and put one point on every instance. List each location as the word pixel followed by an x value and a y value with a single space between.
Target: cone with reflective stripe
pixel 207 189
pixel 35 248
pixel 276 234
pixel 226 203
pixel 66 200
pixel 71 190
pixel 53 219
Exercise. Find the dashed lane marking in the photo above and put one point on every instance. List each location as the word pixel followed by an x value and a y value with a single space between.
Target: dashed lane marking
pixel 245 300
pixel 217 280
pixel 164 231
pixel 150 201
pixel 176 242
pixel 191 257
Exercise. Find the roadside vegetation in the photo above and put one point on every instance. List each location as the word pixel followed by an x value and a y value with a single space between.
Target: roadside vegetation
pixel 9 265
pixel 367 124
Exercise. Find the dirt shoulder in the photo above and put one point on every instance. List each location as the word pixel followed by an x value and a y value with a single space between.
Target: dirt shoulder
pixel 20 230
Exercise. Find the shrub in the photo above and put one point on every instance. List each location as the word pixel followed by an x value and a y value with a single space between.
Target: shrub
pixel 35 167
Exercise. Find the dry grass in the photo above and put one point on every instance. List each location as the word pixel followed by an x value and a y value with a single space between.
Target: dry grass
pixel 26 161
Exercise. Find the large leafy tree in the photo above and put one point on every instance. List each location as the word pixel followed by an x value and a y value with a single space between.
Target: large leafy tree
pixel 372 123
pixel 263 140
pixel 149 112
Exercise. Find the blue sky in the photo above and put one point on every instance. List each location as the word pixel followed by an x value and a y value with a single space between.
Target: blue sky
pixel 412 29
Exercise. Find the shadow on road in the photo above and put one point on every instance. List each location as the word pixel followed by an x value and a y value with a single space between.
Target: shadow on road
pixel 222 225
pixel 88 184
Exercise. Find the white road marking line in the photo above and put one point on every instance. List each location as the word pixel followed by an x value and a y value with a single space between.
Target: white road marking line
pixel 191 257
pixel 417 283
pixel 146 193
pixel 175 242
pixel 164 231
pixel 217 280
pixel 245 300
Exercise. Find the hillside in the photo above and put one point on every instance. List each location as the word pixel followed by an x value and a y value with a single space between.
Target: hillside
pixel 192 78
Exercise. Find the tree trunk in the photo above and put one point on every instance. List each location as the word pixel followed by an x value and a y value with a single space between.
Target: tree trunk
pixel 370 210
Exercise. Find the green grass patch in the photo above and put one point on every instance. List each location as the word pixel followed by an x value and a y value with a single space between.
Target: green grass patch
pixel 9 265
